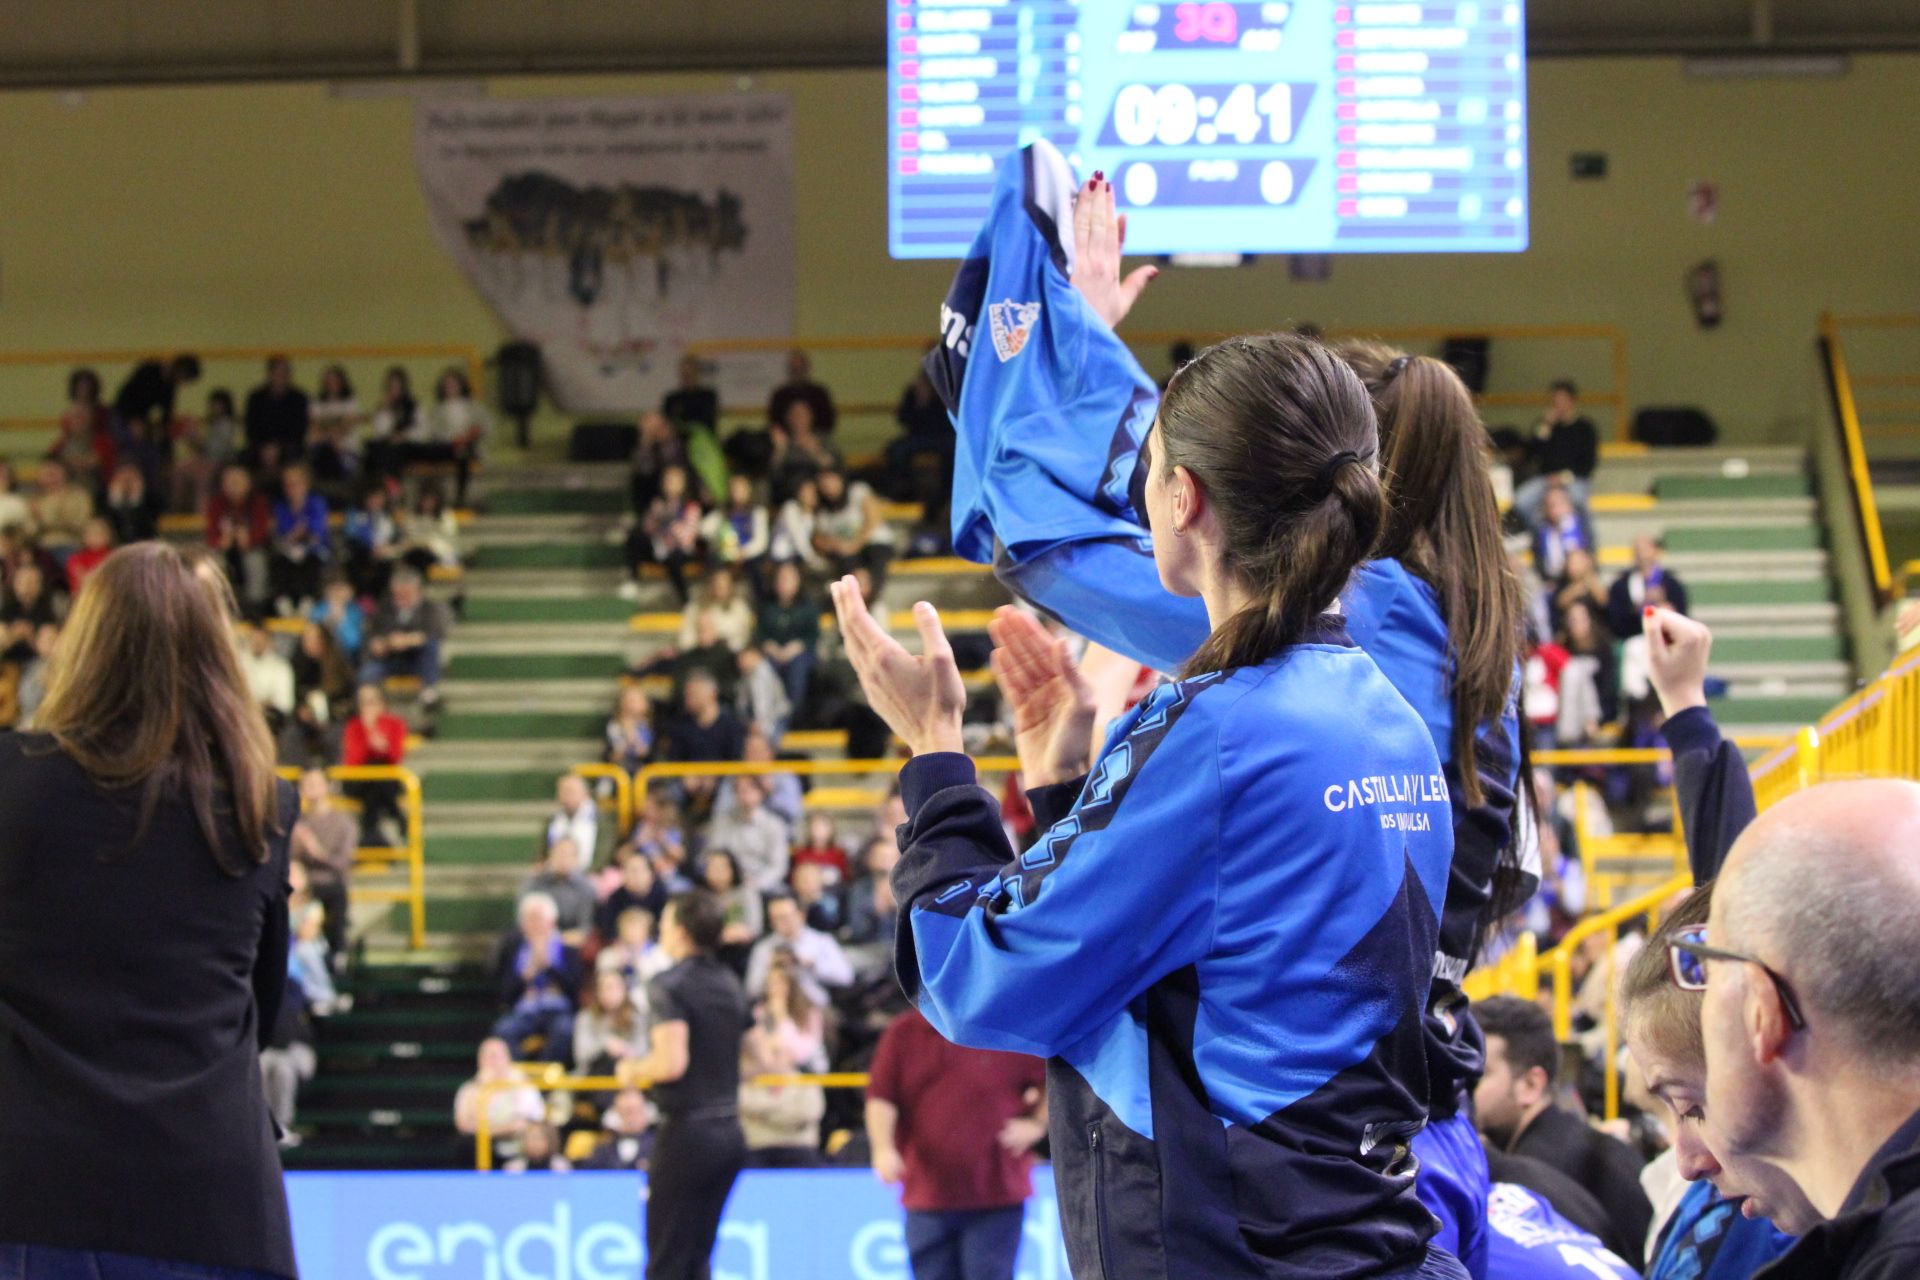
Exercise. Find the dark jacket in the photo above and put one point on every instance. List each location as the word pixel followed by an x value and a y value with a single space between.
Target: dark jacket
pixel 1877 1233
pixel 1569 1199
pixel 1628 596
pixel 1712 787
pixel 1569 446
pixel 138 983
pixel 1603 1165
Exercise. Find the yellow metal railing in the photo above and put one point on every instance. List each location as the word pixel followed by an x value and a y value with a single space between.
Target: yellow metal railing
pixel 551 1079
pixel 1853 437
pixel 466 355
pixel 1614 396
pixel 412 854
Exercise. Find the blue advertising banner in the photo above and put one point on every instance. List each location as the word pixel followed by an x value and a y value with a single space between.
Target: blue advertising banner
pixel 827 1224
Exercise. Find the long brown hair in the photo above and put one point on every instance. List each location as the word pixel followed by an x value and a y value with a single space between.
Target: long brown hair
pixel 145 690
pixel 1443 524
pixel 1280 434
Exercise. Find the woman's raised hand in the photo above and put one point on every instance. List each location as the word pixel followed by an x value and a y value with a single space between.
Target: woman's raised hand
pixel 922 698
pixel 1052 702
pixel 1099 240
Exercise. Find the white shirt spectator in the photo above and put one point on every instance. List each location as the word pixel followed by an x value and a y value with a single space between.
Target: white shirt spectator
pixel 758 841
pixel 582 826
pixel 269 679
pixel 793 536
pixel 823 964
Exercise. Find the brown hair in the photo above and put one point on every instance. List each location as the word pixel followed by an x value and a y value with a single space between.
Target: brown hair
pixel 1280 434
pixel 1648 998
pixel 1443 524
pixel 145 689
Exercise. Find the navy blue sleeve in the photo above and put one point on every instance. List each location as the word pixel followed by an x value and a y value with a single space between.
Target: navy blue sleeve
pixel 1054 801
pixel 1711 786
pixel 1116 894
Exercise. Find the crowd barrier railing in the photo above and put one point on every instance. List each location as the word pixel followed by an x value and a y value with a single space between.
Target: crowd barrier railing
pixel 411 854
pixel 553 1080
pixel 621 801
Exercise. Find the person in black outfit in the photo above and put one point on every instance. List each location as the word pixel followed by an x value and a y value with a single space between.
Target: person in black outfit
pixel 1514 1108
pixel 693 1063
pixel 925 432
pixel 1564 447
pixel 692 403
pixel 144 408
pixel 143 946
pixel 1648 584
pixel 801 386
pixel 277 418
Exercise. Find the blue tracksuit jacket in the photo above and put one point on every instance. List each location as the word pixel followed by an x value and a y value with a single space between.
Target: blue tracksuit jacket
pixel 1050 428
pixel 1533 1242
pixel 1223 943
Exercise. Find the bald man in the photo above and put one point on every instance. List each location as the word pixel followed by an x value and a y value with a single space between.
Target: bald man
pixel 1812 1020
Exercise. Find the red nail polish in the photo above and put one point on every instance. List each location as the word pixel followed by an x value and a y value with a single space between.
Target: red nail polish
pixel 1649 611
pixel 1098 176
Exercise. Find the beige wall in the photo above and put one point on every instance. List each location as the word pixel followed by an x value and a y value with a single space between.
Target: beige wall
pixel 279 214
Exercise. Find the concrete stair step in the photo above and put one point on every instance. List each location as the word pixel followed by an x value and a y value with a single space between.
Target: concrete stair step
pixel 1786 711
pixel 510 728
pixel 1823 614
pixel 568 500
pixel 500 785
pixel 546 554
pixel 1761 591
pixel 458 815
pixel 1691 487
pixel 512 664
pixel 514 849
pixel 1811 676
pixel 465 756
pixel 1743 537
pixel 607 607
pixel 1820 648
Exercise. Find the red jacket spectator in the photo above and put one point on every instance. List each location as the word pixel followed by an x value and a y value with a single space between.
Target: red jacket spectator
pixel 82 563
pixel 358 745
pixel 251 515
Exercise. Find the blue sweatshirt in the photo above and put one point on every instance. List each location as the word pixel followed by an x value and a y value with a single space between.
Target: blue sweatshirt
pixel 1223 942
pixel 1047 487
pixel 1530 1241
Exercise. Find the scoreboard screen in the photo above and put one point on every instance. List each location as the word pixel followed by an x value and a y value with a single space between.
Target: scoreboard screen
pixel 1325 126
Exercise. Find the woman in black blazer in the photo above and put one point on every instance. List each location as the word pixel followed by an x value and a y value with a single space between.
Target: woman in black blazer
pixel 143 946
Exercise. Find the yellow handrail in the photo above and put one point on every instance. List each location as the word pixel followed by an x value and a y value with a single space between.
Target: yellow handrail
pixel 622 793
pixel 413 853
pixel 1856 449
pixel 548 1078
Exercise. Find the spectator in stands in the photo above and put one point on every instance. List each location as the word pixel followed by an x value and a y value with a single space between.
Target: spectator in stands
pixel 626 1135
pixel 390 427
pixel 26 612
pixel 339 611
pixel 659 838
pixel 85 442
pixel 925 432
pixel 1590 682
pixel 287 1059
pixel 311 963
pixel 239 529
pixel 58 511
pixel 429 536
pixel 96 544
pixel 269 676
pixel 787 632
pixel 1540 700
pixel 1564 450
pixel 336 416
pixel 739 533
pixel 1649 582
pixel 708 653
pixel 799 451
pixel 207 445
pixel 277 418
pixel 740 904
pixel 610 1029
pixel 404 637
pixel 785 799
pixel 794 526
pixel 790 1024
pixel 822 849
pixel 639 889
pixel 867 921
pixel 302 541
pixel 755 836
pixel 780 1122
pixel 850 530
pixel 146 399
pixel 820 966
pixel 703 731
pixel 539 1153
pixel 322 695
pixel 667 534
pixel 762 698
pixel 13 507
pixel 693 403
pixel 560 880
pixel 1812 1035
pixel 1561 528
pixel 1515 1111
pixel 454 430
pixel 800 387
pixel 824 908
pixel 658 447
pixel 509 1110
pixel 375 736
pixel 955 1129
pixel 732 614
pixel 631 952
pixel 323 842
pixel 540 980
pixel 630 729
pixel 130 508
pixel 575 817
pixel 1579 583
pixel 372 538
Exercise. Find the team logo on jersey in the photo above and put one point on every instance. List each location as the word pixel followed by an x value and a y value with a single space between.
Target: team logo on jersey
pixel 1012 324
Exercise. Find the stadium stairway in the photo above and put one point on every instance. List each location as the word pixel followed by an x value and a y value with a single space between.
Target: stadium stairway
pixel 1742 530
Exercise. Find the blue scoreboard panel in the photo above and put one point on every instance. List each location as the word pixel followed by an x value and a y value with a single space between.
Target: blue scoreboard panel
pixel 1325 126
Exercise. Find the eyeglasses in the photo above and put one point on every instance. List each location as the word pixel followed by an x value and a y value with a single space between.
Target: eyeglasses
pixel 1687 956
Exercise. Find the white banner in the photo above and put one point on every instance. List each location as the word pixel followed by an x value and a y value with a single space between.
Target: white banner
pixel 612 231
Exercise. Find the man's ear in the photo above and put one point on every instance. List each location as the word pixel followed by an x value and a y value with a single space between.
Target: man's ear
pixel 1768 1030
pixel 1533 1085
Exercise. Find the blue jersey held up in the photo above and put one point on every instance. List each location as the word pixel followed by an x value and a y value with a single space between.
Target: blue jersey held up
pixel 1223 942
pixel 1532 1242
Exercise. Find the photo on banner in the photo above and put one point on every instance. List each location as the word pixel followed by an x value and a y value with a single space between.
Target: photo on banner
pixel 613 231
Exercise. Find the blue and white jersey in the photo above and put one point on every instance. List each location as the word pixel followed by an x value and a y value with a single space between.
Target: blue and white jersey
pixel 1532 1242
pixel 1708 1238
pixel 1223 942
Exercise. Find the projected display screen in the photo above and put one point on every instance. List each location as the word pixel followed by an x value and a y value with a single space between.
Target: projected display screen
pixel 1313 127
